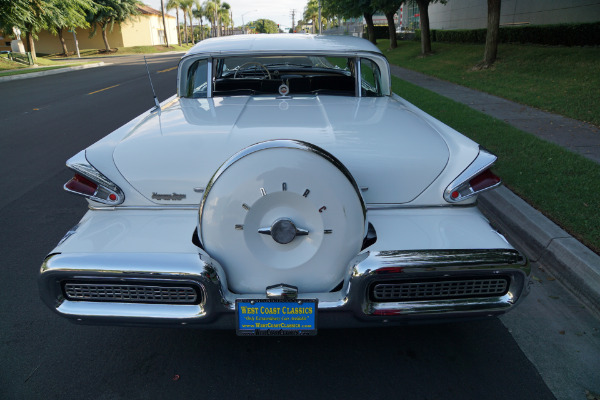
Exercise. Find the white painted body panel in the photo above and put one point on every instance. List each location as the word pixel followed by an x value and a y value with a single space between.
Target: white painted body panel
pixel 296 43
pixel 387 148
pixel 145 231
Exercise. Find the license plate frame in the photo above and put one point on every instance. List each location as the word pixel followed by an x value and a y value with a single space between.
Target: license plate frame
pixel 276 317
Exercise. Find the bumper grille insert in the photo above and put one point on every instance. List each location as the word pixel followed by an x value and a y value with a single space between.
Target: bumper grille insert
pixel 131 293
pixel 439 290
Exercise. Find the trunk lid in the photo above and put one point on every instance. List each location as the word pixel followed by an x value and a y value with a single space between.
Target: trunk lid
pixel 387 148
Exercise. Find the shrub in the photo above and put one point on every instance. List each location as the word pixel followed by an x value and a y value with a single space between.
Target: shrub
pixel 587 34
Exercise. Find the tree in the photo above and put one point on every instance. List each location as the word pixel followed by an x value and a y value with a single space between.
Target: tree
pixel 66 14
pixel 174 5
pixel 265 26
pixel 15 14
pixel 210 8
pixel 200 13
pixel 224 15
pixel 491 37
pixel 26 15
pixel 107 13
pixel 424 18
pixel 162 12
pixel 186 7
pixel 311 12
pixel 389 8
pixel 354 9
pixel 183 6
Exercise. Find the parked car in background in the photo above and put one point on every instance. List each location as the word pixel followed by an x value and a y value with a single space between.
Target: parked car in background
pixel 284 188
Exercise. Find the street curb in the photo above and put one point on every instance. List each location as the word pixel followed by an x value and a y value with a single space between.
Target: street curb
pixel 51 72
pixel 541 240
pixel 116 55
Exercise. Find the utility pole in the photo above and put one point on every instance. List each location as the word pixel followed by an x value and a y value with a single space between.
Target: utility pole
pixel 293 20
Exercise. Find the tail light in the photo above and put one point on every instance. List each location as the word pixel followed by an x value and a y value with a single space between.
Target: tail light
pixel 473 180
pixel 91 183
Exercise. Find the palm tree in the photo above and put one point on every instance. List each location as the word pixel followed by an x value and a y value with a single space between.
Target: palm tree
pixel 215 7
pixel 224 15
pixel 189 4
pixel 200 13
pixel 162 12
pixel 183 6
pixel 174 4
pixel 210 12
pixel 311 12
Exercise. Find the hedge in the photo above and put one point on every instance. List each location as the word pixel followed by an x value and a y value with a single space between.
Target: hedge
pixel 381 32
pixel 562 34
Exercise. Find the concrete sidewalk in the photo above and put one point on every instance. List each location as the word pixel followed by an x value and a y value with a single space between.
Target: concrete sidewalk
pixel 576 266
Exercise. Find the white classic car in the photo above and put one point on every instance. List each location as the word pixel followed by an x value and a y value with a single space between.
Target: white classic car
pixel 284 188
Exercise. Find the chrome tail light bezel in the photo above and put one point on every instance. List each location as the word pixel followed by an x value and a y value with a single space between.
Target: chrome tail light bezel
pixel 461 185
pixel 107 192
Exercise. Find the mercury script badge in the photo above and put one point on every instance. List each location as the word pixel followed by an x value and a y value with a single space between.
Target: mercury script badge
pixel 284 89
pixel 172 196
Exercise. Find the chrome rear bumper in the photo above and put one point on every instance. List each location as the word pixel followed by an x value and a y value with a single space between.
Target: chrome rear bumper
pixel 432 279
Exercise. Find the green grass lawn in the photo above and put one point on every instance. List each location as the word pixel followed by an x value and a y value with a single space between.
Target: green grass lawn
pixel 562 185
pixel 563 80
pixel 124 51
pixel 27 71
pixel 8 67
pixel 52 61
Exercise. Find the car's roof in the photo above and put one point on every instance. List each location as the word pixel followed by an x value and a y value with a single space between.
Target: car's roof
pixel 288 42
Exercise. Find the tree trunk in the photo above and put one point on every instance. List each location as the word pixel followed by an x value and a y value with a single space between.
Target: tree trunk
pixel 62 42
pixel 392 29
pixel 185 35
pixel 491 37
pixel 370 27
pixel 162 11
pixel 425 34
pixel 201 30
pixel 30 45
pixel 192 26
pixel 105 38
pixel 178 30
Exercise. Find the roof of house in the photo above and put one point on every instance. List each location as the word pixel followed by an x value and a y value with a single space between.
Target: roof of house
pixel 145 9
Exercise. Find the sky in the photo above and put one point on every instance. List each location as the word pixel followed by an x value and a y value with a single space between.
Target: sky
pixel 279 11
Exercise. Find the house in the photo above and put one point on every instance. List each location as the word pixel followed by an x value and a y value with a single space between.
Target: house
pixel 145 29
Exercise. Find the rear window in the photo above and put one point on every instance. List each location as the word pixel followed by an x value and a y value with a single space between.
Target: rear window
pixel 282 75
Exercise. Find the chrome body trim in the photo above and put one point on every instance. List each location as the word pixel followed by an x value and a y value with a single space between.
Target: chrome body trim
pixel 483 161
pixel 358 90
pixel 81 165
pixel 348 306
pixel 209 78
pixel 270 144
pixel 370 206
pixel 282 291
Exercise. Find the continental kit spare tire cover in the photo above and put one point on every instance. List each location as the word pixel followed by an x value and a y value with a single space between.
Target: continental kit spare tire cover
pixel 282 211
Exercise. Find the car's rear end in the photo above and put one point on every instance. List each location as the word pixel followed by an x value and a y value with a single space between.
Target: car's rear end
pixel 277 213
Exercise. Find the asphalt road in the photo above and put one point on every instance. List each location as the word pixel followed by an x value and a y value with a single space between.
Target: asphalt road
pixel 46 120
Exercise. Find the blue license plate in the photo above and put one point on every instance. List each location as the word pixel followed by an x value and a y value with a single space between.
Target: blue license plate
pixel 269 317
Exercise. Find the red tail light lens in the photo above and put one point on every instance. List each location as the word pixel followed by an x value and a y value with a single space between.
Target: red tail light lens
pixel 91 183
pixel 484 180
pixel 81 184
pixel 476 178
